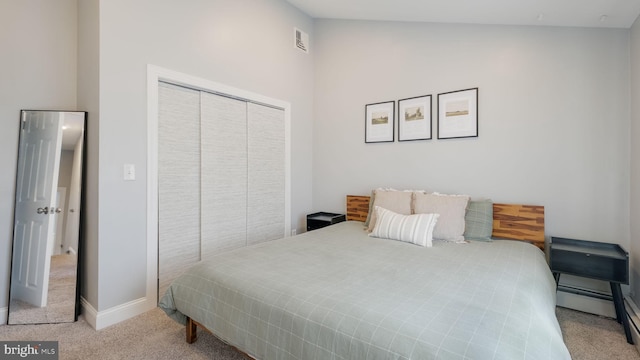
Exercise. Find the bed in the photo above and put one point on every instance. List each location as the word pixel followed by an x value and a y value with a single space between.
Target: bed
pixel 337 293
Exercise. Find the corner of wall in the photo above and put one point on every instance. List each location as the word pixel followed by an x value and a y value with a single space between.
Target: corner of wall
pixel 88 92
pixel 634 88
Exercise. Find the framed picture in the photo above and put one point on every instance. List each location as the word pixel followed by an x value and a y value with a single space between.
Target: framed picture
pixel 379 122
pixel 414 118
pixel 458 114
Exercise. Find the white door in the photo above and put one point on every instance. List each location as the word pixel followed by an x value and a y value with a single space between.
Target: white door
pixel 37 181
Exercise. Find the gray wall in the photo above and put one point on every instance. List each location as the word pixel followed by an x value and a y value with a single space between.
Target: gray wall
pixel 64 180
pixel 38 62
pixel 89 100
pixel 635 159
pixel 554 117
pixel 244 44
pixel 66 164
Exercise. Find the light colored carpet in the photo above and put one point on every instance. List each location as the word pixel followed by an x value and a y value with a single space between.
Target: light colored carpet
pixel 154 336
pixel 591 337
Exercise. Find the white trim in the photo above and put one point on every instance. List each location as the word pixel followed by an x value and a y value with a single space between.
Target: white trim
pixel 102 319
pixel 154 75
pixel 586 304
pixel 89 312
pixel 4 315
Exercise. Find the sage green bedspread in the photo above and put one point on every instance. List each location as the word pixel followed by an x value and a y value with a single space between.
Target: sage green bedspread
pixel 335 293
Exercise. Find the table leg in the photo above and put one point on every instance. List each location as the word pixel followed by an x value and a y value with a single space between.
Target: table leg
pixel 556 275
pixel 621 312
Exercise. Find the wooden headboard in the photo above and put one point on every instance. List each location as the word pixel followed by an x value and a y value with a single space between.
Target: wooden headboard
pixel 510 221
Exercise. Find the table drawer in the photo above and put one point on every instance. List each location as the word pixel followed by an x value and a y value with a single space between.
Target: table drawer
pixel 590 265
pixel 321 219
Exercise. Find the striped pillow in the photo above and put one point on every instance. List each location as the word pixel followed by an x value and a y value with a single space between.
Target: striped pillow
pixel 416 229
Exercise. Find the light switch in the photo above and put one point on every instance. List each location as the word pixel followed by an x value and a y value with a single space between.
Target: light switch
pixel 129 172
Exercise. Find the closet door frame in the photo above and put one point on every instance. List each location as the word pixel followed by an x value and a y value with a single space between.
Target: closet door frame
pixel 156 74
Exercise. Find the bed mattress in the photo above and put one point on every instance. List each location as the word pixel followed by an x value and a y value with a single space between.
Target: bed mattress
pixel 336 293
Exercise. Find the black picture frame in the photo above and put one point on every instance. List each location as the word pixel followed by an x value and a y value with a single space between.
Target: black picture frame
pixel 379 122
pixel 458 114
pixel 414 118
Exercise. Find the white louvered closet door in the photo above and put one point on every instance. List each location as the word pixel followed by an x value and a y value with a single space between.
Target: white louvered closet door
pixel 178 182
pixel 221 177
pixel 266 186
pixel 224 174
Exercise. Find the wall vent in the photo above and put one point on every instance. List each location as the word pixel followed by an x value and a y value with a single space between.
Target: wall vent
pixel 301 40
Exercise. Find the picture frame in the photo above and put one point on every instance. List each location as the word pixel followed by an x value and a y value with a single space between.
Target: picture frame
pixel 414 118
pixel 458 114
pixel 380 122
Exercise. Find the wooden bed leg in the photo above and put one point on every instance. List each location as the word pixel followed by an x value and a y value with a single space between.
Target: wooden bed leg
pixel 191 331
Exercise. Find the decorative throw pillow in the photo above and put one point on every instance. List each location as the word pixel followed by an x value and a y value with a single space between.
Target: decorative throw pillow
pixel 416 229
pixel 394 200
pixel 451 208
pixel 372 199
pixel 479 220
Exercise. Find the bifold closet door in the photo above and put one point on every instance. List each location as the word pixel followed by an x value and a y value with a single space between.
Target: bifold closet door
pixel 178 182
pixel 224 174
pixel 266 176
pixel 221 177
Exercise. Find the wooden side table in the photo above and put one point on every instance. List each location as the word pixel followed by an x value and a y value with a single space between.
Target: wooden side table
pixel 595 260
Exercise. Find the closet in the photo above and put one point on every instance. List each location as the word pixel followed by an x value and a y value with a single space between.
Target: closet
pixel 221 176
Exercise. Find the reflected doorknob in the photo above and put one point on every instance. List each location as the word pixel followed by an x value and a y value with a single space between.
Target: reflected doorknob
pixel 44 210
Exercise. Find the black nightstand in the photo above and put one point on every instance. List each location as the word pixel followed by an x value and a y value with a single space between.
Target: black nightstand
pixel 595 260
pixel 321 219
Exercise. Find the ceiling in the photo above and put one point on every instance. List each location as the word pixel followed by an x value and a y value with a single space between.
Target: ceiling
pixel 579 13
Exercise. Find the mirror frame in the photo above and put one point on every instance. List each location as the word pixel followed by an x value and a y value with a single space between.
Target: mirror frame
pixel 81 218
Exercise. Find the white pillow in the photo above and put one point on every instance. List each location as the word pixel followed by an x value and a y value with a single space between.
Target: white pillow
pixel 416 229
pixel 451 208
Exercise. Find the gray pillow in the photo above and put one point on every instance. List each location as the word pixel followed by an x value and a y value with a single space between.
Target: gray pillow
pixel 371 200
pixel 452 210
pixel 396 201
pixel 479 220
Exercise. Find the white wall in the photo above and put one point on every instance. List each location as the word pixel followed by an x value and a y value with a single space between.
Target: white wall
pixel 247 45
pixel 553 117
pixel 635 159
pixel 38 62
pixel 554 111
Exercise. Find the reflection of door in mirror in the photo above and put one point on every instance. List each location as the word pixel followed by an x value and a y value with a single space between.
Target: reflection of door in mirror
pixel 47 210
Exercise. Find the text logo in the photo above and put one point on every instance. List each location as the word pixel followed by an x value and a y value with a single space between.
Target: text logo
pixel 33 350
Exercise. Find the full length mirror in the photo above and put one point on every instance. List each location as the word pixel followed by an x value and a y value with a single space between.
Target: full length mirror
pixel 47 212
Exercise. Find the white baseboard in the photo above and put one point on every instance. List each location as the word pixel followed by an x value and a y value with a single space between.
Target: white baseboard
pixel 102 319
pixel 586 304
pixel 4 315
pixel 88 312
